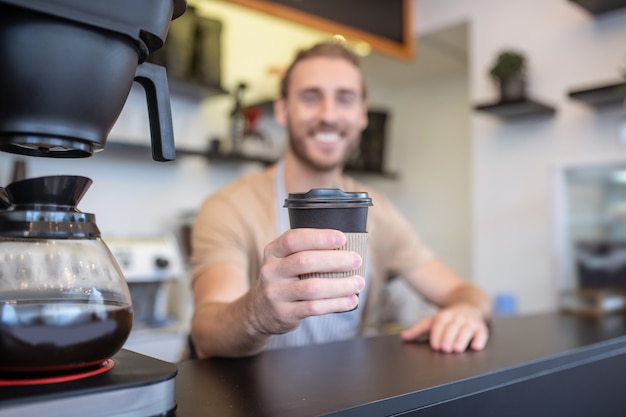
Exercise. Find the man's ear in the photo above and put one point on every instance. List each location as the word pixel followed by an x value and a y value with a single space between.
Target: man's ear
pixel 365 116
pixel 280 111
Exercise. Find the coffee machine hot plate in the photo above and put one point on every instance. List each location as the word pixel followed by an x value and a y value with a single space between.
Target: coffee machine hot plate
pixel 136 385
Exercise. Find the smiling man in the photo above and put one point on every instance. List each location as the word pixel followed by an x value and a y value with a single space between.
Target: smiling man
pixel 247 293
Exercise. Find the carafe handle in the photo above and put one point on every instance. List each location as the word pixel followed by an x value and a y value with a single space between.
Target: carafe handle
pixel 153 79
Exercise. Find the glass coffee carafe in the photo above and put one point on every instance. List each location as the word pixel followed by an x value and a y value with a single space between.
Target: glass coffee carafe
pixel 64 302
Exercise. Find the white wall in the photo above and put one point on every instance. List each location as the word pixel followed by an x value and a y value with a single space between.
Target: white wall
pixel 514 162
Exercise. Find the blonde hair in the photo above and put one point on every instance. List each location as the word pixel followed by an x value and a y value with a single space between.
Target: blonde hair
pixel 328 49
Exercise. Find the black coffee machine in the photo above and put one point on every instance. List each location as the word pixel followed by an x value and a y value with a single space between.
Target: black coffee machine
pixel 67 67
pixel 67 70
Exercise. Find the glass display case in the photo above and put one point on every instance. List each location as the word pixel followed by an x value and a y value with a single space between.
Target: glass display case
pixel 591 214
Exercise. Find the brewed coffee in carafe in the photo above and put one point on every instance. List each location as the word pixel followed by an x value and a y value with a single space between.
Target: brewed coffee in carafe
pixel 64 302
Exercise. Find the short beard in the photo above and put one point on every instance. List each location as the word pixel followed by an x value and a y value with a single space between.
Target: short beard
pixel 299 150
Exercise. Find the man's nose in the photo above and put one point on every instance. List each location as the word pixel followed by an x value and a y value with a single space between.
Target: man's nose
pixel 328 110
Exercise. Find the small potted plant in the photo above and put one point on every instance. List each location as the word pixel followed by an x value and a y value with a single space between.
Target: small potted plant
pixel 509 72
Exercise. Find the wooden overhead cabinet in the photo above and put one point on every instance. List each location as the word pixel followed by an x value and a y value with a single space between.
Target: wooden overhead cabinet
pixel 600 6
pixel 385 25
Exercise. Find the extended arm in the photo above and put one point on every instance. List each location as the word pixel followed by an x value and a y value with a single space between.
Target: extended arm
pixel 234 318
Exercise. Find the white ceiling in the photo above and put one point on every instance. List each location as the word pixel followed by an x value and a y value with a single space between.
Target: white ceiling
pixel 439 53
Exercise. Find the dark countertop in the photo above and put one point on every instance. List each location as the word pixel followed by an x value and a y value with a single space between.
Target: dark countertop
pixel 548 364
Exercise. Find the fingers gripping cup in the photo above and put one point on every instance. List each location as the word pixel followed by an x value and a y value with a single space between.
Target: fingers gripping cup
pixel 331 208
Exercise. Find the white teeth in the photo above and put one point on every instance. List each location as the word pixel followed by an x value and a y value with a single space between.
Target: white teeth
pixel 327 137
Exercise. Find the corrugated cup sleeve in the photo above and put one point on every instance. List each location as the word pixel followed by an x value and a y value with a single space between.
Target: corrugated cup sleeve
pixel 355 242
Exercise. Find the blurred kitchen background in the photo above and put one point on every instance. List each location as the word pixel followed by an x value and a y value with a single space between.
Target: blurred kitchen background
pixel 527 207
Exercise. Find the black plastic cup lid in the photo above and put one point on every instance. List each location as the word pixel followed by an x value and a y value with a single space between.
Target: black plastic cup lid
pixel 327 198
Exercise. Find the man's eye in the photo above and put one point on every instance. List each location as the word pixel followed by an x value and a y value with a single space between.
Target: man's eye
pixel 309 98
pixel 346 99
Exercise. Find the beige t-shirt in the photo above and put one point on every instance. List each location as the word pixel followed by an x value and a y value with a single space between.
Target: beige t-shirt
pixel 234 225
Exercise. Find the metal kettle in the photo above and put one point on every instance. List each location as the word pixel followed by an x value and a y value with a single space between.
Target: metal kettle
pixel 64 302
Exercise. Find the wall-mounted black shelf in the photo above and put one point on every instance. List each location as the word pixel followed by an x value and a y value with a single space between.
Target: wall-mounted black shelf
pixel 517 108
pixel 597 7
pixel 601 95
pixel 133 149
pixel 194 90
pixel 240 158
pixel 220 157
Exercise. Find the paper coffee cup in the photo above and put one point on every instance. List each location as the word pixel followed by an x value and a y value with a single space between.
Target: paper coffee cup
pixel 332 208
